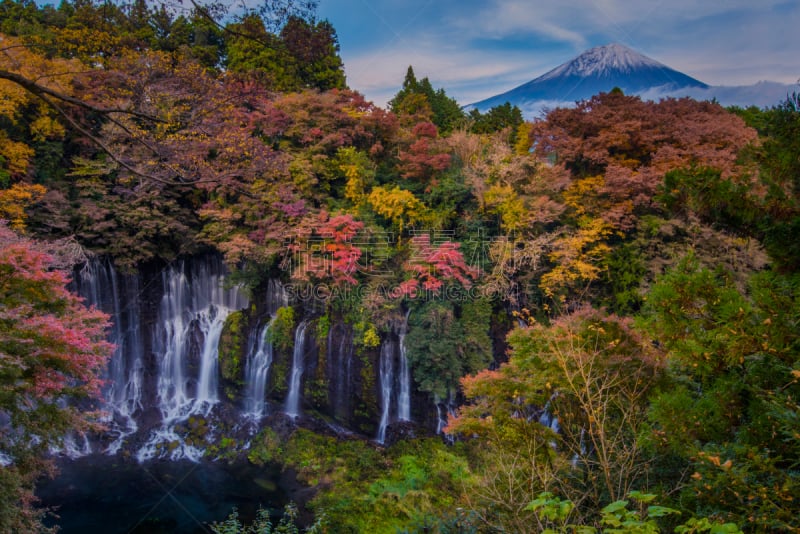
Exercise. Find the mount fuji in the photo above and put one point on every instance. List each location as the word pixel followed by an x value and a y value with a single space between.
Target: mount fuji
pixel 602 68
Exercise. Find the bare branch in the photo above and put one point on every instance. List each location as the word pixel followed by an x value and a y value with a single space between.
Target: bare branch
pixel 41 90
pixel 103 146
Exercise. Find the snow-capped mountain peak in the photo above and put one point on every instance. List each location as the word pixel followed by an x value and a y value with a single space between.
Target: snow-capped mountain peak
pixel 602 68
pixel 604 61
pixel 598 69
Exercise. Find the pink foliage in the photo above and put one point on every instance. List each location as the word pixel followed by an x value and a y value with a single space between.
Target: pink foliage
pixel 57 345
pixel 432 265
pixel 423 158
pixel 341 228
pixel 327 252
pixel 425 129
pixel 291 209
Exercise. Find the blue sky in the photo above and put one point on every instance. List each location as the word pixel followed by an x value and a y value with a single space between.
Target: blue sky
pixel 476 49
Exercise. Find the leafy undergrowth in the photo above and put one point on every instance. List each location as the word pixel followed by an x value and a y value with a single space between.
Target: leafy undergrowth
pixel 360 487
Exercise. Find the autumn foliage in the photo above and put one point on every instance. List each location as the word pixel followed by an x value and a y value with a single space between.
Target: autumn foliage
pixel 423 159
pixel 632 144
pixel 330 253
pixel 642 255
pixel 53 346
pixel 53 350
pixel 431 265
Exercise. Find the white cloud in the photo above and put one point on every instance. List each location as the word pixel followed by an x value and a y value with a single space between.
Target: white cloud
pixel 466 75
pixel 743 51
pixel 623 20
pixel 720 43
pixel 505 18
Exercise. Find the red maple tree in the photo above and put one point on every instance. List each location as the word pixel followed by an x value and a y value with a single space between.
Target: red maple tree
pixel 431 265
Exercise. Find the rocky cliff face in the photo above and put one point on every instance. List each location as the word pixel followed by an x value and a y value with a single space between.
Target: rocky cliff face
pixel 201 365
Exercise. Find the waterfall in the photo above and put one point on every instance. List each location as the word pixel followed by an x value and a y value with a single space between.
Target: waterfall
pixel 74 446
pixel 163 378
pixel 442 415
pixel 339 360
pixel 170 342
pixel 387 385
pixel 257 371
pixel 295 383
pixel 276 297
pixel 260 354
pixel 190 320
pixel 548 419
pixel 126 388
pixel 576 458
pixel 127 369
pixel 194 302
pixel 404 395
pixel 101 286
pixel 389 379
pixel 348 368
pixel 211 323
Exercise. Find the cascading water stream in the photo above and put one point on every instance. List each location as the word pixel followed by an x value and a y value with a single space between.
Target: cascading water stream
pixel 404 395
pixel 101 286
pixel 339 360
pixel 393 375
pixel 386 370
pixel 442 415
pixel 211 322
pixel 257 372
pixel 276 297
pixel 548 419
pixel 342 374
pixel 127 377
pixel 260 355
pixel 74 446
pixel 171 344
pixel 582 449
pixel 190 321
pixel 295 383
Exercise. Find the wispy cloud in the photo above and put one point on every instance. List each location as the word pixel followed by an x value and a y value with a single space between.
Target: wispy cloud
pixel 478 48
pixel 467 75
pixel 506 18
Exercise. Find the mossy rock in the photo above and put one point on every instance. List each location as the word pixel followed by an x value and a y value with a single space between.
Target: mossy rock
pixel 197 429
pixel 368 386
pixel 279 376
pixel 281 334
pixel 265 448
pixel 323 329
pixel 316 386
pixel 316 392
pixel 231 347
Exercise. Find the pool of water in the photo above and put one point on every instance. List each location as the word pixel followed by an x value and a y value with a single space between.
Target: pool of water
pixel 102 494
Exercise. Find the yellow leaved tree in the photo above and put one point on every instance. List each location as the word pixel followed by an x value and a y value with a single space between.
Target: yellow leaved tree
pixel 398 205
pixel 579 257
pixel 26 115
